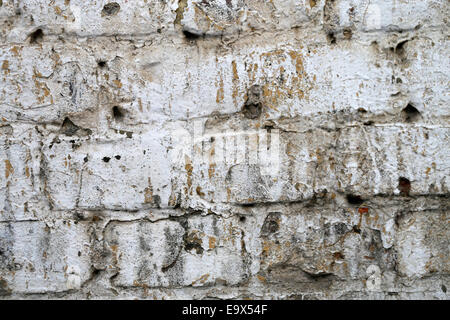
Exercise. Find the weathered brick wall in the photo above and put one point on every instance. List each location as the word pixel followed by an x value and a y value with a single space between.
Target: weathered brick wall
pixel 97 99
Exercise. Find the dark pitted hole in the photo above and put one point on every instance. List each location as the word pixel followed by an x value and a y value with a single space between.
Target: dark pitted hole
pixel 69 128
pixel 101 64
pixel 190 35
pixel 400 47
pixel 248 205
pixel 106 159
pixel 253 106
pixel 354 199
pixel 404 185
pixel 410 113
pixel 331 37
pixel 36 36
pixel 338 256
pixel 252 110
pixel 242 219
pixel 85 159
pixel 111 9
pixel 444 289
pixel 118 114
pixel 117 157
pixel 271 223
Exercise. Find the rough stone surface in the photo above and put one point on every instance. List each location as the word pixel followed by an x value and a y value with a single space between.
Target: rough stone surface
pixel 98 97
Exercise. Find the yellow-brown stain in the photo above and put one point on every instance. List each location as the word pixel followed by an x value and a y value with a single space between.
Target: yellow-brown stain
pixel 281 83
pixel 189 168
pixel 15 50
pixel 5 66
pixel 114 253
pixel 140 105
pixel 212 242
pixel 272 250
pixel 9 170
pixel 148 192
pixel 117 83
pixel 211 170
pixel 199 192
pixel 296 57
pixel 220 91
pixel 235 82
pixel 202 279
pixel 261 278
pixel 41 86
pixel 182 5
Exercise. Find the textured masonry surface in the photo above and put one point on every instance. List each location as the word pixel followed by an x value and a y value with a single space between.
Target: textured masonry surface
pixel 96 203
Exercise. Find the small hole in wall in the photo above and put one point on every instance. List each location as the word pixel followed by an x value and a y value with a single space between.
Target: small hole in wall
pixel 117 157
pixel 247 205
pixel 118 114
pixel 190 35
pixel 444 289
pixel 410 113
pixel 338 256
pixel 354 199
pixel 106 159
pixel 271 224
pixel 101 64
pixel 252 110
pixel 331 37
pixel 400 47
pixel 96 272
pixel 68 127
pixel 242 219
pixel 404 185
pixel 253 106
pixel 110 9
pixel 36 36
